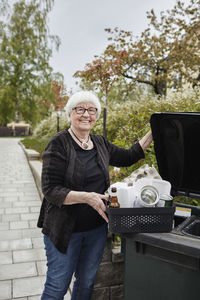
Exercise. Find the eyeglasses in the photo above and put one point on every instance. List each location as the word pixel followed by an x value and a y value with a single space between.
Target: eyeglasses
pixel 81 110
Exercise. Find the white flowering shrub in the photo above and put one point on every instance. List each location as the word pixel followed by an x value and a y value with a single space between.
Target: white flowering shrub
pixel 128 122
pixel 48 127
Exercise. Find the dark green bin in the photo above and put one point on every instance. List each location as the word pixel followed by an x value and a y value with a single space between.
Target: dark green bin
pixel 161 266
pixel 166 266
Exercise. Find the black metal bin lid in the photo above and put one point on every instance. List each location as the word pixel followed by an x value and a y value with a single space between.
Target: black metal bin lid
pixel 177 148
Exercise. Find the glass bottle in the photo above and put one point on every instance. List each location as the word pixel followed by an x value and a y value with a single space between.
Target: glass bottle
pixel 113 198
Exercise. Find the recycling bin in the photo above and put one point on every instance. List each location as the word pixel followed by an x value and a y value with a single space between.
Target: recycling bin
pixel 166 266
pixel 161 266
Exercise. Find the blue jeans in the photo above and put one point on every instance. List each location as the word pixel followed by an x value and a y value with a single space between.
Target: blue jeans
pixel 83 257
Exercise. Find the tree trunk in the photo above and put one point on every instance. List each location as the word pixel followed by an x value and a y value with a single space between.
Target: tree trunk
pixel 160 87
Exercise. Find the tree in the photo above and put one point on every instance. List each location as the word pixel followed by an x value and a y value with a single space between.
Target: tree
pixel 181 26
pixel 164 53
pixel 61 95
pixel 169 46
pixel 101 76
pixel 24 59
pixel 54 99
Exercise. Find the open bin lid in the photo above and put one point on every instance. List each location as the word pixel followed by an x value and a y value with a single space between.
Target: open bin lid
pixel 177 148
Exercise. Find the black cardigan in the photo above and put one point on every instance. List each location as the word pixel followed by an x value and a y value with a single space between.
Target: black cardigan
pixel 63 172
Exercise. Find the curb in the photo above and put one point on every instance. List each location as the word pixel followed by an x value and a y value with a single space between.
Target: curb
pixel 35 166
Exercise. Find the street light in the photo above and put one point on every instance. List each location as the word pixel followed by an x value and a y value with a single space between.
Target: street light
pixel 59 113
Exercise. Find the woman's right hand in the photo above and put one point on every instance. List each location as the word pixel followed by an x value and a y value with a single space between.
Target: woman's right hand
pixel 93 199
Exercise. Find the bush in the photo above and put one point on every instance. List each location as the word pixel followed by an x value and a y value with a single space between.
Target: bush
pixel 48 127
pixel 36 144
pixel 127 122
pixel 43 133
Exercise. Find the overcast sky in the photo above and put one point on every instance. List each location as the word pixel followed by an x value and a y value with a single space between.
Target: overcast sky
pixel 80 25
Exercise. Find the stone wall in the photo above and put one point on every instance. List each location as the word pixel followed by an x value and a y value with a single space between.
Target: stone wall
pixel 109 281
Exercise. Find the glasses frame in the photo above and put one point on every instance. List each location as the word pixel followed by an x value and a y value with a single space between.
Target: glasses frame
pixel 84 110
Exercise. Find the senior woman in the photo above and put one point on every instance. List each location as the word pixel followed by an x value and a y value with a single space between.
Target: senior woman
pixel 75 176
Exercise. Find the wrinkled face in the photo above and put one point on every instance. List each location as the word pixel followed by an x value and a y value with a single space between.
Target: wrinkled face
pixel 84 121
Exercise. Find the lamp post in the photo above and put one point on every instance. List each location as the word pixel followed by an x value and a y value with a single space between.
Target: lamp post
pixel 59 113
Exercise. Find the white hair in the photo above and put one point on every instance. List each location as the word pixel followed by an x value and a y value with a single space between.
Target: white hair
pixel 82 96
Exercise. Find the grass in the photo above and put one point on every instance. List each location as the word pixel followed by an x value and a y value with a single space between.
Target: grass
pixel 12 137
pixel 35 144
pixel 187 200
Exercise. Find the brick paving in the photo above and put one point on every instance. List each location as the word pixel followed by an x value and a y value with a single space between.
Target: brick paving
pixel 22 255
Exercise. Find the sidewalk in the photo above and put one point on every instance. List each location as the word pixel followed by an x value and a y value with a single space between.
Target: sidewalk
pixel 22 255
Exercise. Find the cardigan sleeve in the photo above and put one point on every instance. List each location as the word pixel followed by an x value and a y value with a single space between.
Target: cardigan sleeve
pixel 121 157
pixel 53 173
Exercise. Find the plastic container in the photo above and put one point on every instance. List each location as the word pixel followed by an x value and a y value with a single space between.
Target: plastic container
pixel 125 194
pixel 144 219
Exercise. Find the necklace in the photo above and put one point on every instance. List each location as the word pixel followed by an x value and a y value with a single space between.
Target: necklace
pixel 84 144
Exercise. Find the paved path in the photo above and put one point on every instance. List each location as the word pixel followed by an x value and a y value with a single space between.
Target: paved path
pixel 22 256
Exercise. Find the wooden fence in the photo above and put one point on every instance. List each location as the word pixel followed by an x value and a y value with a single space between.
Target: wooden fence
pixel 17 130
pixel 6 131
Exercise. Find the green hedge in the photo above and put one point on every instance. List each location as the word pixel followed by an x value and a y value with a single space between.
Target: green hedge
pixel 126 123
